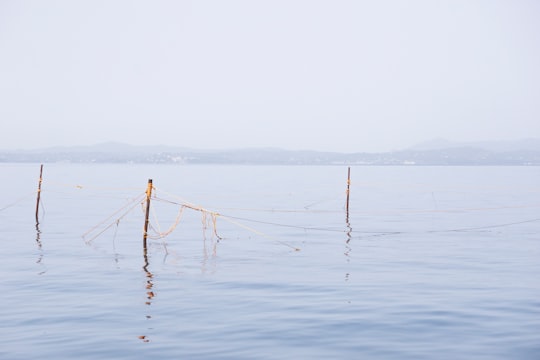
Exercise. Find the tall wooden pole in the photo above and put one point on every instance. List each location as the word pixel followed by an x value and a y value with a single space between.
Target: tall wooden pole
pixel 148 196
pixel 150 294
pixel 39 193
pixel 347 222
pixel 348 190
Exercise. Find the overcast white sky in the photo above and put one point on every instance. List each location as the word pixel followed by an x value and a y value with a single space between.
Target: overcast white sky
pixel 297 74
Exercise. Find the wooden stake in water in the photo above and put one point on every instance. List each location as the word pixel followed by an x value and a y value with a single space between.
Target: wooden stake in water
pixel 147 214
pixel 39 193
pixel 348 190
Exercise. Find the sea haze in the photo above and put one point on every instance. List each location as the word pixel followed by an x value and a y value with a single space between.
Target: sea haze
pixel 264 262
pixel 435 152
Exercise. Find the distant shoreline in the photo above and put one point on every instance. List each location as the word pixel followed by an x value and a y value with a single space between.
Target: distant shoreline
pixel 144 155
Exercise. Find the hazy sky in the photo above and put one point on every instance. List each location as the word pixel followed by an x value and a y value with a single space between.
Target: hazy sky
pixel 297 74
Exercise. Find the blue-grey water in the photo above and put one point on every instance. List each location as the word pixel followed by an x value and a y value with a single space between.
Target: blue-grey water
pixel 429 263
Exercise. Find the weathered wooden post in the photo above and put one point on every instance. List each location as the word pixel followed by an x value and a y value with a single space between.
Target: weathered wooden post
pixel 347 222
pixel 146 217
pixel 348 190
pixel 39 193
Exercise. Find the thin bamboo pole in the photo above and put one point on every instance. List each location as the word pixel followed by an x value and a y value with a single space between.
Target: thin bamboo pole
pixel 347 222
pixel 39 193
pixel 147 214
pixel 348 190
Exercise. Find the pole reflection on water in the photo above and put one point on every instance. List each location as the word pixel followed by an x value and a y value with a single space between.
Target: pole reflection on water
pixel 40 249
pixel 347 222
pixel 149 293
pixel 348 248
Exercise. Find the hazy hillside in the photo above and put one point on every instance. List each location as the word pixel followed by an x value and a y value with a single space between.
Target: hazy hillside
pixel 531 144
pixel 436 152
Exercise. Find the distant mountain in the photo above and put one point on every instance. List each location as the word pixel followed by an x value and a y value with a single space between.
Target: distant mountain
pixel 531 144
pixel 111 147
pixel 436 152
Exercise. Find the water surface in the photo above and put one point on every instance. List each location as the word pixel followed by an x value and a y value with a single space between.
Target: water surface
pixel 430 262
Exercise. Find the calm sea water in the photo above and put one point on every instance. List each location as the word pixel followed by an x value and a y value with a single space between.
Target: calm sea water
pixel 429 263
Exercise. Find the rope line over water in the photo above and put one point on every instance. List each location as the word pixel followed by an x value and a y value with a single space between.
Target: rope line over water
pixel 18 201
pixel 162 234
pixel 209 218
pixel 130 206
pixel 236 219
pixel 487 226
pixel 214 216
